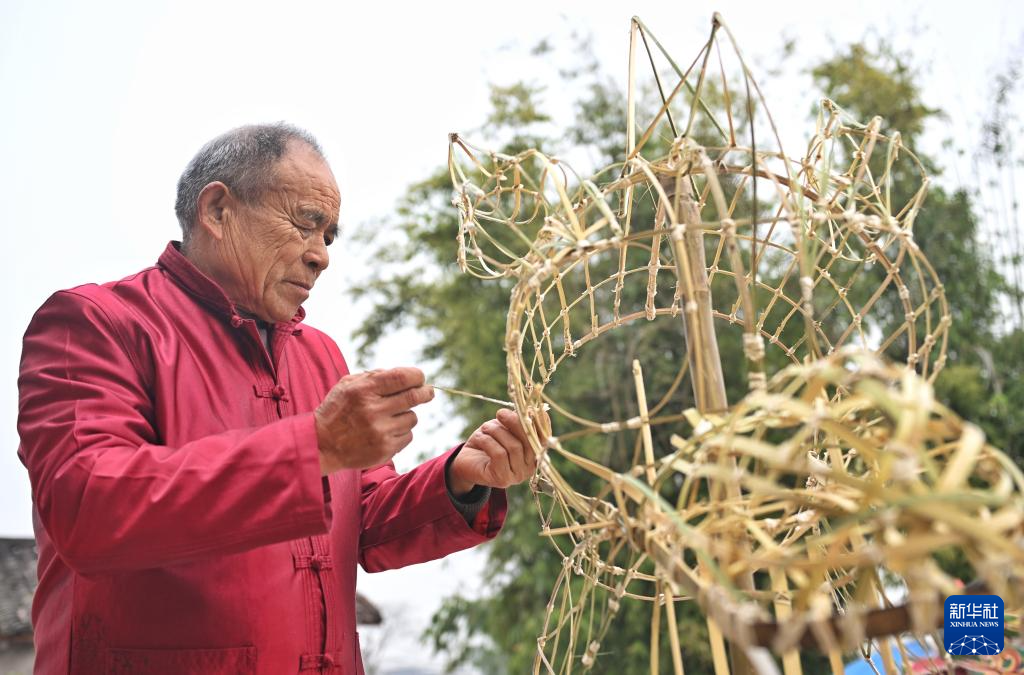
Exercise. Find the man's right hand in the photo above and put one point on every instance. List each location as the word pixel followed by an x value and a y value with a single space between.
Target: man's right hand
pixel 367 418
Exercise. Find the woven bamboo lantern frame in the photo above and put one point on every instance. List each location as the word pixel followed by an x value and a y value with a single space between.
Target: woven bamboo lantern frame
pixel 806 514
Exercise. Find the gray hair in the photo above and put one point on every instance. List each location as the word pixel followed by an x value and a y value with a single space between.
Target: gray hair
pixel 243 159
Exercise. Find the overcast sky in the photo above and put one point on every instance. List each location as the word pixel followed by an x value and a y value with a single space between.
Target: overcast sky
pixel 104 103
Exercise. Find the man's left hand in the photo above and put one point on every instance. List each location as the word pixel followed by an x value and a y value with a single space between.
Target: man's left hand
pixel 497 455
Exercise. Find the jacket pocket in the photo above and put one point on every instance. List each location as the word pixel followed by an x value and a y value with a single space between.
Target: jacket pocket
pixel 231 661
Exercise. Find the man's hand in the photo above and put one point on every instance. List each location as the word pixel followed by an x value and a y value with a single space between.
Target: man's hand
pixel 367 418
pixel 497 455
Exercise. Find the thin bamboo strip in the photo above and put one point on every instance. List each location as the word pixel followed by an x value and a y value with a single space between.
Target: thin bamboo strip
pixel 645 423
pixel 718 657
pixel 783 611
pixel 656 630
pixel 673 631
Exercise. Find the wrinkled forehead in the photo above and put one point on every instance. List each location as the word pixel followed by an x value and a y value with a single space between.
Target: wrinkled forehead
pixel 304 175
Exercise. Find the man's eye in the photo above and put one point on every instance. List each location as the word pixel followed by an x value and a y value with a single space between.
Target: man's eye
pixel 328 239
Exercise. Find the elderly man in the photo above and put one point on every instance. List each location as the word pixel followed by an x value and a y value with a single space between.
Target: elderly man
pixel 206 473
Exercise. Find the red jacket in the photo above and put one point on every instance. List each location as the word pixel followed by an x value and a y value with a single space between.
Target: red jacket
pixel 182 522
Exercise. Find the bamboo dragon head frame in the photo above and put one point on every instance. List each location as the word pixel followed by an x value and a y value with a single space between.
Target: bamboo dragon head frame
pixel 807 513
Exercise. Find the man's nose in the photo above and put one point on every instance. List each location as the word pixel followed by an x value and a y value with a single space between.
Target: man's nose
pixel 316 256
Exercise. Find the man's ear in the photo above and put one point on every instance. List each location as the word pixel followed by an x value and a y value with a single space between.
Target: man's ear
pixel 214 200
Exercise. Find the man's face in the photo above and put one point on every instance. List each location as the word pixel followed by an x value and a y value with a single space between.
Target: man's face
pixel 273 250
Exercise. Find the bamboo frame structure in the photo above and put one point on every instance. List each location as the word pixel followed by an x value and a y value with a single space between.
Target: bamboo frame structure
pixel 794 516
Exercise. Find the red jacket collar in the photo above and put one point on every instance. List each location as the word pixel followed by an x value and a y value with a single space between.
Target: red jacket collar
pixel 186 275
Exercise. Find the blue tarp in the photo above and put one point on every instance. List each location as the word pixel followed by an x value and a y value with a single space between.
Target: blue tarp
pixel 861 666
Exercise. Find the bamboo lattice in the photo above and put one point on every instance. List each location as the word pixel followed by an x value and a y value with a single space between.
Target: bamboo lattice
pixel 806 514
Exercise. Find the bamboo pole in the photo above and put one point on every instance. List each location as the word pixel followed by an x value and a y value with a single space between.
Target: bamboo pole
pixel 702 344
pixel 783 611
pixel 645 423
